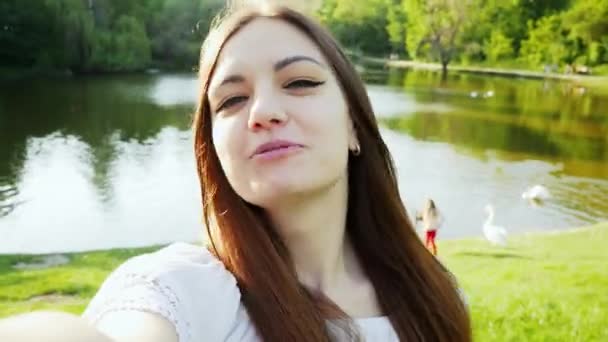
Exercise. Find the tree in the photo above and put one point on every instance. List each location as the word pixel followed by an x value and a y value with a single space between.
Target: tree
pixel 498 47
pixel 125 48
pixel 75 25
pixel 178 29
pixel 359 25
pixel 434 27
pixel 587 23
pixel 546 42
pixel 396 27
pixel 27 35
pixel 504 19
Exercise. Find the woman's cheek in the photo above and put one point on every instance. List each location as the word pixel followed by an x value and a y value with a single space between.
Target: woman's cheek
pixel 229 136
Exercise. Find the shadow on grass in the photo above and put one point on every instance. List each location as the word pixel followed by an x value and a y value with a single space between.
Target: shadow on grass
pixel 495 255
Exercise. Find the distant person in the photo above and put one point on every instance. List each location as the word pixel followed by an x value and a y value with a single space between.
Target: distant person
pixel 309 240
pixel 431 222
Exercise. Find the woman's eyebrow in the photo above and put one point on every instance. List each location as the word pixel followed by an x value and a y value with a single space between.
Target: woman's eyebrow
pixel 232 79
pixel 293 59
pixel 277 66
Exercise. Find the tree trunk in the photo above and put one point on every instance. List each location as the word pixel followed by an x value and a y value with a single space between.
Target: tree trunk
pixel 444 68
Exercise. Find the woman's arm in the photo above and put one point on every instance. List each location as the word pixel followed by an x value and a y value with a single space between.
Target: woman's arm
pixel 137 326
pixel 64 327
pixel 48 326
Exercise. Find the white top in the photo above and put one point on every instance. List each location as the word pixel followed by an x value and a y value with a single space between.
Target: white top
pixel 430 222
pixel 190 288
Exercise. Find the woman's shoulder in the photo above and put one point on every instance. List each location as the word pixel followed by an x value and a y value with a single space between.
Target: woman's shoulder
pixel 175 260
pixel 182 283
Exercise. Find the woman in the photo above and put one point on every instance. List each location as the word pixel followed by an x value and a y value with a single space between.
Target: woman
pixel 309 239
pixel 431 221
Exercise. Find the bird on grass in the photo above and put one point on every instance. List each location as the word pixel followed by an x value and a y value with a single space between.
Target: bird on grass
pixel 496 235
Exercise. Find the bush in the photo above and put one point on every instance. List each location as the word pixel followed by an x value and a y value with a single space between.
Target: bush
pixel 498 47
pixel 127 49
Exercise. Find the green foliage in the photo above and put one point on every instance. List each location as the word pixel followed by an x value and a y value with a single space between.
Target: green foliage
pixel 587 23
pixel 396 27
pixel 178 29
pixel 126 47
pixel 26 34
pixel 359 25
pixel 103 35
pixel 124 35
pixel 532 33
pixel 577 36
pixel 498 47
pixel 435 27
pixel 546 42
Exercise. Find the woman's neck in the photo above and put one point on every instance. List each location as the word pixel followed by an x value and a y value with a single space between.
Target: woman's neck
pixel 313 229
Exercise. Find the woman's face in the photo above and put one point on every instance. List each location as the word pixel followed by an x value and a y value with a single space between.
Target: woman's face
pixel 280 123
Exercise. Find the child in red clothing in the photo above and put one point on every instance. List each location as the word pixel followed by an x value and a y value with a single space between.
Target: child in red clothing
pixel 431 221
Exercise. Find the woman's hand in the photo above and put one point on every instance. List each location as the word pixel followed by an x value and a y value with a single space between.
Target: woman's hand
pixel 114 326
pixel 50 327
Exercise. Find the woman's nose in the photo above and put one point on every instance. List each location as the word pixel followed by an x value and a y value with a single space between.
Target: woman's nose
pixel 266 112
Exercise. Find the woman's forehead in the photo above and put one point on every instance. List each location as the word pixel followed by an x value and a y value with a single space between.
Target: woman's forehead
pixel 263 42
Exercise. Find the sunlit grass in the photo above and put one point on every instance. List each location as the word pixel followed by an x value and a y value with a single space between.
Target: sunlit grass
pixel 543 287
pixel 67 287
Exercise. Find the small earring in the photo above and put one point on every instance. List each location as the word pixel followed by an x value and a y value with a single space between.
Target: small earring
pixel 357 150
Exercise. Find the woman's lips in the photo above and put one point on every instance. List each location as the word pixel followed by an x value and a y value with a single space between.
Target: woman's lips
pixel 276 149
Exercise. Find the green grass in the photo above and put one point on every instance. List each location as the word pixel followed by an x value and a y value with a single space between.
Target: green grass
pixel 67 287
pixel 543 287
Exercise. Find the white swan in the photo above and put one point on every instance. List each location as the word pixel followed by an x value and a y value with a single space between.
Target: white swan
pixel 495 234
pixel 486 94
pixel 536 193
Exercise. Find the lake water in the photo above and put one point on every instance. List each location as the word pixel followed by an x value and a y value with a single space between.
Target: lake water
pixel 100 162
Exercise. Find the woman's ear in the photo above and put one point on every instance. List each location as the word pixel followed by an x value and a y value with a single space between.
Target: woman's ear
pixel 353 140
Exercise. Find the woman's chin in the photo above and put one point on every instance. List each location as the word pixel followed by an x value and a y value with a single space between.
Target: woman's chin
pixel 271 193
pixel 270 188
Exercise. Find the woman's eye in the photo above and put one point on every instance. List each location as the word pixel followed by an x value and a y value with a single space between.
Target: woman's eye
pixel 231 102
pixel 303 84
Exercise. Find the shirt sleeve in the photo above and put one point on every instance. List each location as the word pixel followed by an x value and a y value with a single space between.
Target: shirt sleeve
pixel 183 283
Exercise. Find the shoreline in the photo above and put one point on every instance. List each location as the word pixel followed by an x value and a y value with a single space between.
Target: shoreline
pixel 478 237
pixel 584 79
pixel 596 81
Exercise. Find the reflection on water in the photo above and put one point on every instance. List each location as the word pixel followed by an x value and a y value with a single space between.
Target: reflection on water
pixel 101 162
pixel 8 202
pixel 462 185
pixel 146 194
pixel 522 132
pixel 546 119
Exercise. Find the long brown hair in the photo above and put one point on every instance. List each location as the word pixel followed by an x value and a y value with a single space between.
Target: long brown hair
pixel 430 210
pixel 416 293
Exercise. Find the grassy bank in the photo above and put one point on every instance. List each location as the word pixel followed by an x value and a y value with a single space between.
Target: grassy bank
pixel 543 287
pixel 593 80
pixel 67 287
